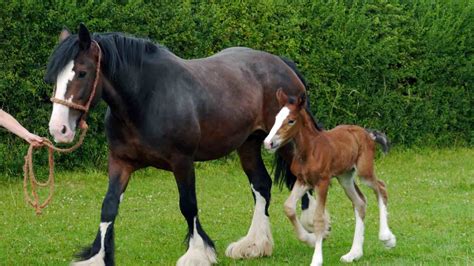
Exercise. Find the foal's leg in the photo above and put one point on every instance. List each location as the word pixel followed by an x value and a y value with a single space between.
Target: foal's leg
pixel 368 177
pixel 308 204
pixel 321 191
pixel 297 192
pixel 258 242
pixel 359 203
pixel 201 249
pixel 101 252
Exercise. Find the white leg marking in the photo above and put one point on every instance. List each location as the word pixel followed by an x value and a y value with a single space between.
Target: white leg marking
pixel 121 197
pixel 98 259
pixel 307 216
pixel 290 209
pixel 318 252
pixel 280 117
pixel 385 235
pixel 259 241
pixel 357 244
pixel 198 253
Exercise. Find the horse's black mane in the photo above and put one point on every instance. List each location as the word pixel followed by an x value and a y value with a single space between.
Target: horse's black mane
pixel 119 51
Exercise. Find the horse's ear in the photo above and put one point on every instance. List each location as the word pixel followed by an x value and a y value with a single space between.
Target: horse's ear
pixel 302 100
pixel 64 34
pixel 281 97
pixel 84 37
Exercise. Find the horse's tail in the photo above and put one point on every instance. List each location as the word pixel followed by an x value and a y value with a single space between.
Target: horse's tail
pixel 283 174
pixel 380 138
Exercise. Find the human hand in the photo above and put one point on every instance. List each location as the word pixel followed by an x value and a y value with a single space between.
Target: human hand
pixel 33 139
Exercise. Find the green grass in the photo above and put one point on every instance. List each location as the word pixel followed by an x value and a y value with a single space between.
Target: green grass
pixel 430 204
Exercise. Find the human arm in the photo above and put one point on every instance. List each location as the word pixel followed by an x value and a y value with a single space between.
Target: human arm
pixel 9 122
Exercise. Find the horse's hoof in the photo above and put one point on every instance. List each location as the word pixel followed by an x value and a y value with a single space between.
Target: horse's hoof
pixel 198 257
pixel 351 256
pixel 94 261
pixel 252 246
pixel 389 240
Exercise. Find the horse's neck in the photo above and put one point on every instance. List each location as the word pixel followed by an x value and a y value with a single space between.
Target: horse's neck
pixel 304 139
pixel 116 100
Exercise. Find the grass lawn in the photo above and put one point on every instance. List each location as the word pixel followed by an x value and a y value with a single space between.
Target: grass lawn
pixel 431 205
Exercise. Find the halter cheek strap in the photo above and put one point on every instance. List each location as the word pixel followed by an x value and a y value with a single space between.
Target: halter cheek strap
pixel 84 108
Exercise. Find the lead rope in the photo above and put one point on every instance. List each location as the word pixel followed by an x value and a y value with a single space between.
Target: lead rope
pixel 28 170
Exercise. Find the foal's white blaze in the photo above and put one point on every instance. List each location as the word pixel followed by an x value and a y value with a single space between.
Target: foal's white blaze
pixel 199 253
pixel 259 241
pixel 60 117
pixel 385 234
pixel 98 259
pixel 272 137
pixel 358 242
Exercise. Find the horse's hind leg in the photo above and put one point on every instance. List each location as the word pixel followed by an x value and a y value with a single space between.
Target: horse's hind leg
pixel 101 252
pixel 297 192
pixel 201 249
pixel 385 234
pixel 258 242
pixel 359 203
pixel 368 177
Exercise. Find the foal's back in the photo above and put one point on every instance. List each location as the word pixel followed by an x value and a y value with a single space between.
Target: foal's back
pixel 347 146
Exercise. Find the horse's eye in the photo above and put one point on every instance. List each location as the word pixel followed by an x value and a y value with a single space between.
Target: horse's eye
pixel 81 74
pixel 291 122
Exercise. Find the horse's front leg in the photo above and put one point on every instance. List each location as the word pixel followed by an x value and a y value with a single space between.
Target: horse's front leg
pixel 299 189
pixel 320 222
pixel 201 249
pixel 101 252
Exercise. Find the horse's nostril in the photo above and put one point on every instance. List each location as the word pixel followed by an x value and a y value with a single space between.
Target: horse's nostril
pixel 63 130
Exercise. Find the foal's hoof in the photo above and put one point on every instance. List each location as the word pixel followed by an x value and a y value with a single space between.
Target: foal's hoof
pixel 251 247
pixel 388 240
pixel 351 256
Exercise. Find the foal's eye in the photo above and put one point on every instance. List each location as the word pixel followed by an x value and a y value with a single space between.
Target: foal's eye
pixel 81 74
pixel 291 122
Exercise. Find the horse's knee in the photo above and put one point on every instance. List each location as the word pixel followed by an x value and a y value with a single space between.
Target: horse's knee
pixel 290 210
pixel 319 224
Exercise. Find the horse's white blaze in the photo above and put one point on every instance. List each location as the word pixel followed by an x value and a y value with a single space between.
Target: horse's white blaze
pixel 259 241
pixel 98 259
pixel 60 115
pixel 385 234
pixel 199 253
pixel 272 137
pixel 358 242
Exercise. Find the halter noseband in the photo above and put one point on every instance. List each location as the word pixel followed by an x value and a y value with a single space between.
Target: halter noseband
pixel 84 108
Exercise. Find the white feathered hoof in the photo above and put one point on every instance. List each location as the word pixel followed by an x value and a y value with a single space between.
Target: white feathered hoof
pixel 198 257
pixel 253 246
pixel 94 261
pixel 352 256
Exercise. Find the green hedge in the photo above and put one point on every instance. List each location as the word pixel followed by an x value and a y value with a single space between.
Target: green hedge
pixel 404 67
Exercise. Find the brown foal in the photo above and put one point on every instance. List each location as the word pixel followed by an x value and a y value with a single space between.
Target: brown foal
pixel 343 152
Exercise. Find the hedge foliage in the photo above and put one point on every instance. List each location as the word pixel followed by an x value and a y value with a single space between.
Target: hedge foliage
pixel 404 67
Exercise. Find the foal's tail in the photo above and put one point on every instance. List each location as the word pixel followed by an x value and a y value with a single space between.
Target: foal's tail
pixel 380 138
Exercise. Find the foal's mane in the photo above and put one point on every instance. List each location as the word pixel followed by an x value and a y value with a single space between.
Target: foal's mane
pixel 120 51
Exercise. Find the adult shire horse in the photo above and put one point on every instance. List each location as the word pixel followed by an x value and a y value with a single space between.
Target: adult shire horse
pixel 167 112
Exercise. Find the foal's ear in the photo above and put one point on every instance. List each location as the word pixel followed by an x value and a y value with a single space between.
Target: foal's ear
pixel 84 37
pixel 302 100
pixel 64 34
pixel 281 97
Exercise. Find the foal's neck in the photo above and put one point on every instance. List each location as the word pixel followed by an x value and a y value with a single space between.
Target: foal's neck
pixel 305 136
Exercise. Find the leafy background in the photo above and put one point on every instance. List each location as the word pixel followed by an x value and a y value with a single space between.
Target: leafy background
pixel 404 67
